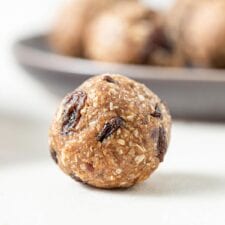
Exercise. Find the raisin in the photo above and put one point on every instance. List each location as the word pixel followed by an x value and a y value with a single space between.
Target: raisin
pixel 108 79
pixel 162 144
pixel 71 115
pixel 54 155
pixel 160 40
pixel 110 127
pixel 157 40
pixel 155 134
pixel 75 177
pixel 89 167
pixel 157 113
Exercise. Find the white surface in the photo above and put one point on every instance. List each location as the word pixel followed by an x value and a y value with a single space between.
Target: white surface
pixel 189 188
pixel 17 89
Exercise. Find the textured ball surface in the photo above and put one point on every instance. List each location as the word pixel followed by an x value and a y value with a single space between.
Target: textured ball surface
pixel 110 132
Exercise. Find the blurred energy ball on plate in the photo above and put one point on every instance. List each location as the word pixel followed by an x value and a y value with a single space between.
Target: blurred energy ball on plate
pixel 67 33
pixel 204 36
pixel 198 30
pixel 130 32
pixel 121 34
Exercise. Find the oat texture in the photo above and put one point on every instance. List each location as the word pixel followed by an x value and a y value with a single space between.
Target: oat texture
pixel 110 132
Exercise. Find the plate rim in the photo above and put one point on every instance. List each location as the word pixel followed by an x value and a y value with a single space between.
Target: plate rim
pixel 51 61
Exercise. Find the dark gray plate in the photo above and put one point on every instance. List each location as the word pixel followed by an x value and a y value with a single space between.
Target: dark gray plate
pixel 191 93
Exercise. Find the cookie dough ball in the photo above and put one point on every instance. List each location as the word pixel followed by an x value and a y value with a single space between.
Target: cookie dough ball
pixel 110 132
pixel 203 38
pixel 68 30
pixel 121 34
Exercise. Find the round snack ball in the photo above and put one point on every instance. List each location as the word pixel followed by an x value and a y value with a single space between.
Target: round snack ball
pixel 121 34
pixel 204 36
pixel 175 23
pixel 110 132
pixel 68 30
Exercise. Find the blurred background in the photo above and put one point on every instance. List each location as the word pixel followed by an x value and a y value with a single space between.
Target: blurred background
pixel 32 190
pixel 18 20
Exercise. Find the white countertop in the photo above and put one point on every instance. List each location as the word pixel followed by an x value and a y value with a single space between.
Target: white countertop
pixel 188 188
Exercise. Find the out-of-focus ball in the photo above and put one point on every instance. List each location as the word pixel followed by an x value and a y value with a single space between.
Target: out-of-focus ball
pixel 203 39
pixel 68 30
pixel 121 34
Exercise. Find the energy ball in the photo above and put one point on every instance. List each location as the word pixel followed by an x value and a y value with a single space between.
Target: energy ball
pixel 121 34
pixel 111 132
pixel 68 30
pixel 204 35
